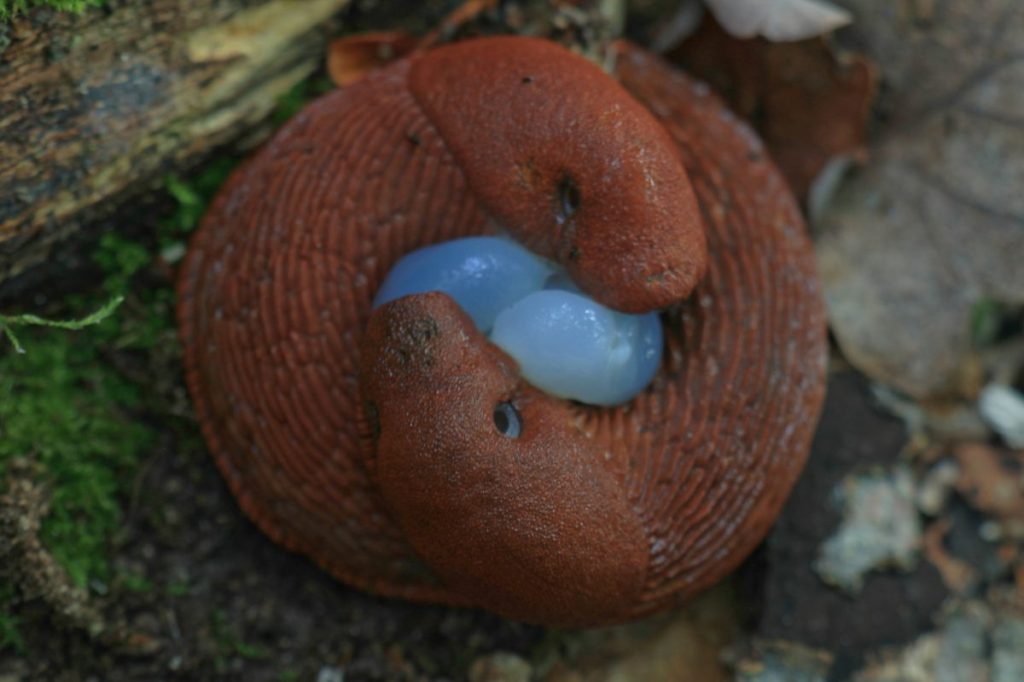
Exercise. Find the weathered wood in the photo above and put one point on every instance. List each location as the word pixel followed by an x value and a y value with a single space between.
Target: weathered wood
pixel 94 107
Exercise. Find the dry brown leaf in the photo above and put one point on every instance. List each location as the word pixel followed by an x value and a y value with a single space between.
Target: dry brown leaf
pixel 760 660
pixel 935 225
pixel 809 105
pixel 957 574
pixel 352 57
pixel 778 20
pixel 988 483
pixel 462 15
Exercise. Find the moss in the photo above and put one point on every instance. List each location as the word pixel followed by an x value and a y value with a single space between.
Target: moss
pixel 63 403
pixel 192 196
pixel 148 316
pixel 178 588
pixel 134 582
pixel 229 643
pixel 11 8
pixel 299 96
pixel 62 406
pixel 10 636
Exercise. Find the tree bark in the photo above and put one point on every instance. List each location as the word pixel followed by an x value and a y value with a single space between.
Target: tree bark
pixel 97 106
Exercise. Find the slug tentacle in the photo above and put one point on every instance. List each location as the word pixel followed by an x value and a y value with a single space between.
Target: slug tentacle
pixel 548 159
pixel 403 451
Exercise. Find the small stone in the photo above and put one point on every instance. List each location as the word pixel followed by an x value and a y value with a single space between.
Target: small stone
pixel 780 661
pixel 500 667
pixel 330 674
pixel 956 652
pixel 880 529
pixel 1008 650
pixel 1003 408
pixel 934 491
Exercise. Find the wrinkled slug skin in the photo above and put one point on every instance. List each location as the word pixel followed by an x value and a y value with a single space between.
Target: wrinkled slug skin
pixel 365 468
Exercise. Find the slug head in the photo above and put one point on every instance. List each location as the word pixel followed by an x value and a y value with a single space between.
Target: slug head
pixel 491 482
pixel 566 161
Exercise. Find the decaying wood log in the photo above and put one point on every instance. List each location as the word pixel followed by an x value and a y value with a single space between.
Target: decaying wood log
pixel 96 106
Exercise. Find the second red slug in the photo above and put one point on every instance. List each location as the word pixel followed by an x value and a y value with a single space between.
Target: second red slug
pixel 368 440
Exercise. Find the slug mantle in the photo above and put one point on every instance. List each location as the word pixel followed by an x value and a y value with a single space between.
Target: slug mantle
pixel 372 442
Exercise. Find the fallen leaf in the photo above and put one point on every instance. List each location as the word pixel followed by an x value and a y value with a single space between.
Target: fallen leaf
pixel 957 574
pixel 992 483
pixel 934 226
pixel 464 14
pixel 500 667
pixel 778 20
pixel 352 57
pixel 809 105
pixel 780 661
pixel 684 645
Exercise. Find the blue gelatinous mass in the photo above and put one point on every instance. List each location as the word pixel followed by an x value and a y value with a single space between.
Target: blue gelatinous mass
pixel 484 275
pixel 565 342
pixel 573 347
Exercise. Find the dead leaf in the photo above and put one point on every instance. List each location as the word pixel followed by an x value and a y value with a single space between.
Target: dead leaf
pixel 778 20
pixel 934 226
pixel 684 645
pixel 809 105
pixel 957 574
pixel 990 482
pixel 464 14
pixel 352 57
pixel 776 660
pixel 500 667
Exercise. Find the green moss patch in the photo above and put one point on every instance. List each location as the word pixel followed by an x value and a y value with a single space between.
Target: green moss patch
pixel 10 8
pixel 62 407
pixel 75 393
pixel 65 405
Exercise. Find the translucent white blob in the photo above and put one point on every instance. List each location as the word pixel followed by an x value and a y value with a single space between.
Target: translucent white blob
pixel 565 343
pixel 574 347
pixel 483 274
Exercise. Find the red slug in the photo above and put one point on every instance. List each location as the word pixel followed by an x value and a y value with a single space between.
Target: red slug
pixel 369 441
